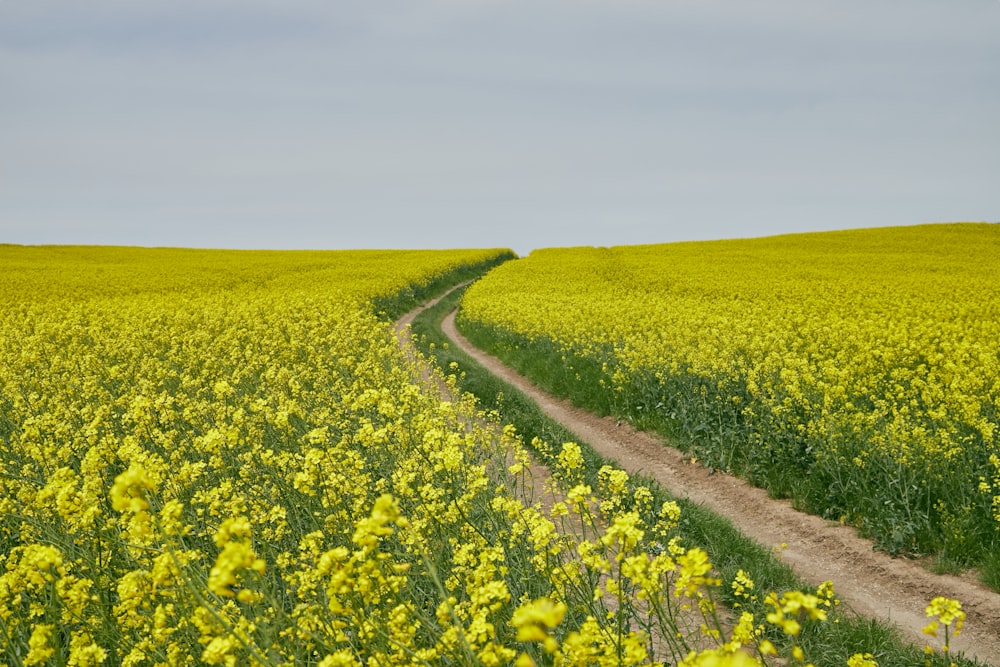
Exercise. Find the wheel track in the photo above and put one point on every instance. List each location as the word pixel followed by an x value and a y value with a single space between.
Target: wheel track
pixel 538 488
pixel 869 582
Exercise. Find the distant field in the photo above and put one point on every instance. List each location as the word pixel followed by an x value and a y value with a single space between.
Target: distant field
pixel 857 372
pixel 222 457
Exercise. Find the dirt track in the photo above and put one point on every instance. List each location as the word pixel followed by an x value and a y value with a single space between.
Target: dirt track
pixel 871 583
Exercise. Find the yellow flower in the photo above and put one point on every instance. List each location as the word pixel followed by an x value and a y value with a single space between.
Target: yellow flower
pixel 793 607
pixel 693 565
pixel 569 465
pixel 542 612
pixel 744 630
pixel 341 658
pixel 862 660
pixel 370 530
pixel 624 533
pixel 84 652
pixel 128 492
pixel 944 611
pixel 718 658
pixel 39 649
pixel 236 556
pixel 742 584
pixel 219 651
pixel 535 620
pixel 947 611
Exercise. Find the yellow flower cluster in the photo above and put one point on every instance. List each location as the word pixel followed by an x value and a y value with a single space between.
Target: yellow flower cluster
pixel 225 458
pixel 943 612
pixel 864 363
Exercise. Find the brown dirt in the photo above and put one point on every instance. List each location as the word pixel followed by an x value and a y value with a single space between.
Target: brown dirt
pixel 537 487
pixel 869 582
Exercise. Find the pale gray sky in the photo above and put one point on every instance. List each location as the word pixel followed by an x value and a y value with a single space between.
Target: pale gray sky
pixel 483 123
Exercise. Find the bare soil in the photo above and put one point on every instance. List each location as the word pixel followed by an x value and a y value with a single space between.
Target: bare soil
pixel 869 582
pixel 537 486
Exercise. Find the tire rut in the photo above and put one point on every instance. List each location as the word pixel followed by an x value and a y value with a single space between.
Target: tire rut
pixel 538 486
pixel 869 582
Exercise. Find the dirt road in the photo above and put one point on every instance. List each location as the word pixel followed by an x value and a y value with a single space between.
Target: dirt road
pixel 871 583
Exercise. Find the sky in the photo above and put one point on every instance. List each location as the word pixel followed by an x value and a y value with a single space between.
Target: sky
pixel 491 123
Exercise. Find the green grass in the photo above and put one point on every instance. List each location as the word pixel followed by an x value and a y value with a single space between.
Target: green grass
pixel 906 509
pixel 990 569
pixel 828 643
pixel 395 305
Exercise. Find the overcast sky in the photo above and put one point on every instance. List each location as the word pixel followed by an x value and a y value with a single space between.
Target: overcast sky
pixel 491 123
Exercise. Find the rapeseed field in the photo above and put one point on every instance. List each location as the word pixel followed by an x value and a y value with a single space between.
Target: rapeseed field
pixel 220 457
pixel 856 371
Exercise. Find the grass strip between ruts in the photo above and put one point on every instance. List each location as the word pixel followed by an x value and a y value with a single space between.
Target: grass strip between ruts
pixel 830 643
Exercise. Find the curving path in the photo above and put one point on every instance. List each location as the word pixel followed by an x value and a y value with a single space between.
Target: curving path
pixel 871 583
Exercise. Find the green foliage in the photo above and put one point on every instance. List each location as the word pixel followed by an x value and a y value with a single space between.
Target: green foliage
pixel 729 549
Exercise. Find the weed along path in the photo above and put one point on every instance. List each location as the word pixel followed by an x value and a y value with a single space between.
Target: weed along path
pixel 871 583
pixel 536 489
pixel 536 486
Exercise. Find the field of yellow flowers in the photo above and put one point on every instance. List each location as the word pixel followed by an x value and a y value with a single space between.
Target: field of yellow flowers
pixel 220 457
pixel 856 371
